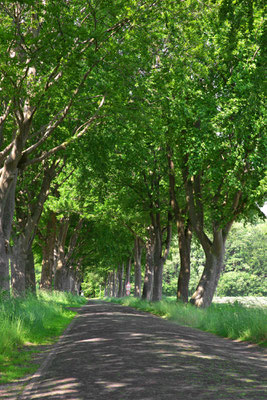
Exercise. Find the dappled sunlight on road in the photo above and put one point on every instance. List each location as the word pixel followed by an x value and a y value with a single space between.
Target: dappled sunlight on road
pixel 67 388
pixel 117 353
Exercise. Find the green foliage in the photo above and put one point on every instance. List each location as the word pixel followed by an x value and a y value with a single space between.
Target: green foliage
pixel 237 283
pixel 233 321
pixel 178 74
pixel 92 285
pixel 245 263
pixel 31 321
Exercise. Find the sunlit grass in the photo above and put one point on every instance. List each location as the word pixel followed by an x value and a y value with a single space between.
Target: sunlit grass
pixel 234 321
pixel 32 321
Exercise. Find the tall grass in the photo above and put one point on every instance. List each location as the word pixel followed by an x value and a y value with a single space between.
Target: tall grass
pixel 32 321
pixel 234 321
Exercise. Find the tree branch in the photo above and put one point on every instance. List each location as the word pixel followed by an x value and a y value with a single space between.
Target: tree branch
pixel 77 134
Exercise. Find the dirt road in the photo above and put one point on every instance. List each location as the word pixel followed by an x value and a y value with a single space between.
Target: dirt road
pixel 114 352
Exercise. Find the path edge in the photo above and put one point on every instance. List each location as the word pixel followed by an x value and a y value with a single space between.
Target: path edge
pixel 47 360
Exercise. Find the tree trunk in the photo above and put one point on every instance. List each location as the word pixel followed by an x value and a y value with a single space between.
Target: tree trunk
pixel 160 255
pixel 30 281
pixel 149 271
pixel 215 249
pixel 47 268
pixel 120 280
pixel 4 264
pixel 18 263
pixel 158 273
pixel 184 237
pixel 137 267
pixel 74 281
pixel 27 222
pixel 65 279
pixel 108 286
pixel 22 267
pixel 48 253
pixel 127 275
pixel 114 284
pixel 6 219
pixel 184 233
pixel 77 285
pixel 60 274
pixel 213 266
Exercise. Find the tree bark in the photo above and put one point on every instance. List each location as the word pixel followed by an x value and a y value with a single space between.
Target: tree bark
pixel 110 293
pixel 185 238
pixel 30 281
pixel 184 233
pixel 106 289
pixel 127 275
pixel 65 254
pixel 6 218
pixel 149 269
pixel 8 179
pixel 48 253
pixel 18 262
pixel 27 225
pixel 4 264
pixel 114 283
pixel 120 280
pixel 214 249
pixel 60 274
pixel 207 285
pixel 158 272
pixel 137 266
pixel 160 254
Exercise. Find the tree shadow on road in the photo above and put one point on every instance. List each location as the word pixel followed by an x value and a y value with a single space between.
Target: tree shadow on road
pixel 114 352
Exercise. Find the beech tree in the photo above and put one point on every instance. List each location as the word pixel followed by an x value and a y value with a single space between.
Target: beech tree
pixel 180 136
pixel 49 51
pixel 223 144
pixel 29 207
pixel 210 105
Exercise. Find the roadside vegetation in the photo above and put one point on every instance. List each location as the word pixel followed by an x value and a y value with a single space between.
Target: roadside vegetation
pixel 28 322
pixel 229 320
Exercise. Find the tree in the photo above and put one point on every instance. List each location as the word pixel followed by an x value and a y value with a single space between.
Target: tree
pixel 211 111
pixel 48 58
pixel 224 160
pixel 29 208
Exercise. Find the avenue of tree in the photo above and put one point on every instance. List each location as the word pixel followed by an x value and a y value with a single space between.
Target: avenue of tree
pixel 122 125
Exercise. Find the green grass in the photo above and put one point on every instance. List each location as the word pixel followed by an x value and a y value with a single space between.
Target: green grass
pixel 31 321
pixel 234 321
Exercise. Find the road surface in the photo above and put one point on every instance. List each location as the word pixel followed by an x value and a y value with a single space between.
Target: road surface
pixel 111 352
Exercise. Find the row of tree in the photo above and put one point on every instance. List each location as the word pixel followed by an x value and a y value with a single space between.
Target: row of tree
pixel 120 121
pixel 243 274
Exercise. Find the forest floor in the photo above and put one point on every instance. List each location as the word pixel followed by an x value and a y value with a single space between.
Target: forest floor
pixel 113 352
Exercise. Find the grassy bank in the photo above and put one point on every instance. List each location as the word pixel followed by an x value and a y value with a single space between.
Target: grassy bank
pixel 31 321
pixel 234 321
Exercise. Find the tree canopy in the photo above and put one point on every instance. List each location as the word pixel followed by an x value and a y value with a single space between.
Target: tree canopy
pixel 120 121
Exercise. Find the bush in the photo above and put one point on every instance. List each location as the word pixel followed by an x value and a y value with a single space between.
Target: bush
pixel 239 283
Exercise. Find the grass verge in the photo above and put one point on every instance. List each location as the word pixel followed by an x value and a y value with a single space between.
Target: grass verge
pixel 30 322
pixel 234 321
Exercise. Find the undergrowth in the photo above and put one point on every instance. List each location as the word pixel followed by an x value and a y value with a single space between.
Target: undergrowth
pixel 234 321
pixel 31 321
